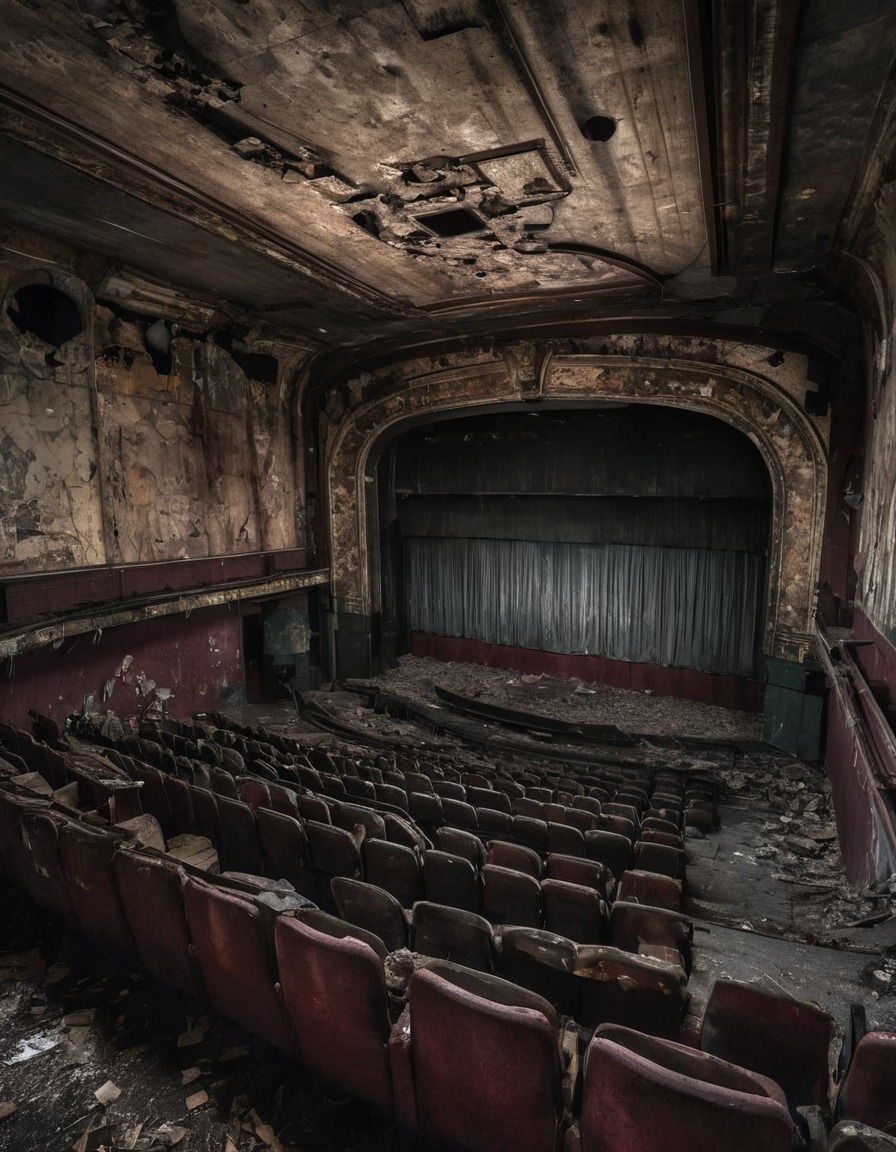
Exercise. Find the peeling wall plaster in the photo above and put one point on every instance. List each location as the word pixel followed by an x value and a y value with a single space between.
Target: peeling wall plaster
pixel 870 240
pixel 50 510
pixel 104 460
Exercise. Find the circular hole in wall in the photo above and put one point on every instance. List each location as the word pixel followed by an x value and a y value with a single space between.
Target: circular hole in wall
pixel 45 312
pixel 598 128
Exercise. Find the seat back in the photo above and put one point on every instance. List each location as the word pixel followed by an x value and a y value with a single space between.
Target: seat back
pixel 611 849
pixel 574 911
pixel 453 934
pixel 241 847
pixel 516 856
pixel 283 846
pixel 486 1063
pixel 661 858
pixel 674 1103
pixel 634 991
pixel 151 894
pixel 235 953
pixel 545 964
pixel 511 897
pixel 334 991
pixel 575 870
pixel 649 888
pixel 371 908
pixel 461 842
pixel 452 880
pixel 868 1093
pixel 87 860
pixel 394 868
pixel 787 1040
pixel 638 927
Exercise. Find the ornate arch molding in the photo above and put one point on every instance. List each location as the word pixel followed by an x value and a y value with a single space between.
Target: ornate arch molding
pixel 789 441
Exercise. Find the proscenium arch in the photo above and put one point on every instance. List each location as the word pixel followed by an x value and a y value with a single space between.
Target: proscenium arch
pixel 790 444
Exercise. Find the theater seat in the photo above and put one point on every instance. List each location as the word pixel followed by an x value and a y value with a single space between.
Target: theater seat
pixel 283 847
pixel 334 991
pixel 787 1040
pixel 612 849
pixel 642 928
pixel 371 908
pixel 395 868
pixel 649 888
pixel 452 880
pixel 461 842
pixel 634 991
pixel 641 1094
pixel 237 960
pixel 515 856
pixel 454 934
pixel 575 911
pixel 486 1064
pixel 87 861
pixel 868 1093
pixel 151 893
pixel 544 963
pixel 511 897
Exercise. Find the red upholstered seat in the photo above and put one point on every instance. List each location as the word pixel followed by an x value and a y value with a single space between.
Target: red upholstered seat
pixel 334 991
pixel 868 1093
pixel 641 1094
pixel 486 1065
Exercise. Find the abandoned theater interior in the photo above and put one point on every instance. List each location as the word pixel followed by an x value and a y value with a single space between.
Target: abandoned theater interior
pixel 448 575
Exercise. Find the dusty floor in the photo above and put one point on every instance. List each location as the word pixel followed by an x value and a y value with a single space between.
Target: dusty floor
pixel 767 894
pixel 73 1023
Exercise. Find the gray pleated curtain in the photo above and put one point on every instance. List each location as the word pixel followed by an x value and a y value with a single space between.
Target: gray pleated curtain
pixel 681 607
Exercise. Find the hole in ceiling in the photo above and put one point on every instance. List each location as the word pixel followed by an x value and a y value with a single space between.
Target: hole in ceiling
pixel 636 32
pixel 45 312
pixel 368 221
pixel 453 222
pixel 257 365
pixel 598 128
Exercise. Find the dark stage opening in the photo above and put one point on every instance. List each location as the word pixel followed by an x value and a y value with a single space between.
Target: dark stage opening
pixel 626 532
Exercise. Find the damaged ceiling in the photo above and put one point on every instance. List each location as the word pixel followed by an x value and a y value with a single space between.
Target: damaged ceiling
pixel 347 170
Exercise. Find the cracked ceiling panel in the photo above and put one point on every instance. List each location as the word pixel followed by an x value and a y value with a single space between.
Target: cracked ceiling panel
pixel 408 155
pixel 353 170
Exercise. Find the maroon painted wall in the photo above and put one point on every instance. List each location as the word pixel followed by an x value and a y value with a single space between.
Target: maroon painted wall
pixel 199 657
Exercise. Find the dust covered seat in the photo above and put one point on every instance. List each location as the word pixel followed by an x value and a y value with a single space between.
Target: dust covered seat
pixel 371 908
pixel 334 991
pixel 236 955
pixel 454 934
pixel 868 1092
pixel 787 1040
pixel 485 1060
pixel 643 1093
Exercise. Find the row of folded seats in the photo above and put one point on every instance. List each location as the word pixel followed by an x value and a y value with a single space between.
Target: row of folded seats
pixel 524 1074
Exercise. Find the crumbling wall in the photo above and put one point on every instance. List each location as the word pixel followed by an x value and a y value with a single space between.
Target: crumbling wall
pixel 109 455
pixel 877 560
pixel 50 503
pixel 869 236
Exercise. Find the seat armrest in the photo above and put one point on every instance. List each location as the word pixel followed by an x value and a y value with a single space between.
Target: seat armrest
pixel 403 1072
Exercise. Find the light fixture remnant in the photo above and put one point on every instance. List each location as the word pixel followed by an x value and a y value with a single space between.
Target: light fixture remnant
pixel 599 128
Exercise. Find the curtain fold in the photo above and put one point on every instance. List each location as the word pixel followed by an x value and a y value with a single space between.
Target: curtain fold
pixel 681 607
